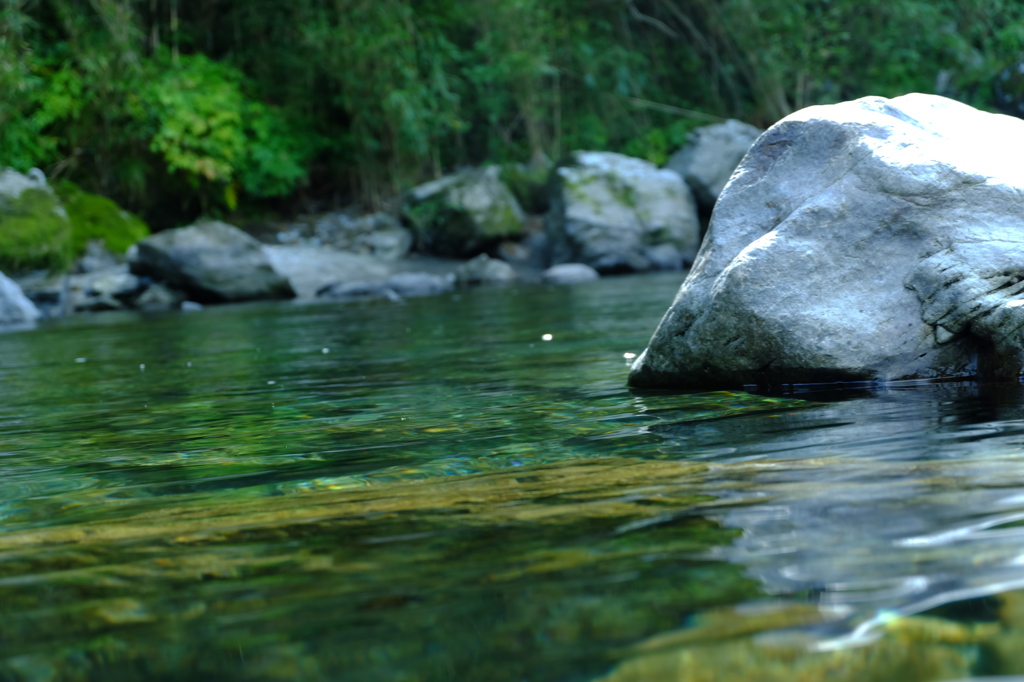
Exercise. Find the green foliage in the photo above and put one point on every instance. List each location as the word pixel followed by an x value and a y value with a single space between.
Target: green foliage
pixel 207 129
pixel 21 140
pixel 173 108
pixel 96 217
pixel 657 144
pixel 35 233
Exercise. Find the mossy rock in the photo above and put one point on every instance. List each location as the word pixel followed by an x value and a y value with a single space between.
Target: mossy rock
pixel 464 214
pixel 35 232
pixel 97 217
pixel 529 185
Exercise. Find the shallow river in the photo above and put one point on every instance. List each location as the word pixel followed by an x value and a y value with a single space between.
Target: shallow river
pixel 462 488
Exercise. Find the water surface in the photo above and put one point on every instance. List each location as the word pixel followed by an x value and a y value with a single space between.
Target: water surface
pixel 433 491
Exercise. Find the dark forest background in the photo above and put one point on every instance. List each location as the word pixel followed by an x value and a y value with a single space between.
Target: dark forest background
pixel 181 107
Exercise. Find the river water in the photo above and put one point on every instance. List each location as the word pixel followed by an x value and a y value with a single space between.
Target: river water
pixel 462 488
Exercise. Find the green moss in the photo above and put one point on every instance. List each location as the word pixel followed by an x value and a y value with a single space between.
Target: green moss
pixel 452 223
pixel 501 222
pixel 97 217
pixel 35 233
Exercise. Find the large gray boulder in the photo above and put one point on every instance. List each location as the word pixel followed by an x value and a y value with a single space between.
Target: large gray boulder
pixel 212 262
pixel 620 214
pixel 869 240
pixel 462 214
pixel 710 156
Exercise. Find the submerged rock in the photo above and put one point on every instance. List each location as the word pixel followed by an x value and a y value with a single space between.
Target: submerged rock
pixel 619 214
pixel 211 261
pixel 869 240
pixel 710 156
pixel 460 215
pixel 915 649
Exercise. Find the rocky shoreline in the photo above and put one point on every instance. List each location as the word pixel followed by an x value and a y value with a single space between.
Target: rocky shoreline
pixel 594 214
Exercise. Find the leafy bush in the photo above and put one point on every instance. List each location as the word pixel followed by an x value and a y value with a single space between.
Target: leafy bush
pixel 207 129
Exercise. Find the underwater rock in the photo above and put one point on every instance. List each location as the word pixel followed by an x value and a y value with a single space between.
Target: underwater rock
pixel 869 240
pixel 917 649
pixel 212 262
pixel 608 210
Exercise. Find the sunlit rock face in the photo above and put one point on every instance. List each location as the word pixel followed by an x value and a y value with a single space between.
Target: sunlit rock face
pixel 870 240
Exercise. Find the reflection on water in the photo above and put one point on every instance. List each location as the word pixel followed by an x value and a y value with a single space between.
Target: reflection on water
pixel 433 491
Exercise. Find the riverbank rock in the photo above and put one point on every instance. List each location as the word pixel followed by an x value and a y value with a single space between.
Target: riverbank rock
pixel 395 288
pixel 710 156
pixel 346 292
pixel 109 288
pixel 569 273
pixel 211 262
pixel 310 269
pixel 35 232
pixel 609 210
pixel 462 214
pixel 15 308
pixel 416 284
pixel 376 234
pixel 869 240
pixel 485 270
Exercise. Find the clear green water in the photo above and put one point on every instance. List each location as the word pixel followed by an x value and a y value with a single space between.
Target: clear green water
pixel 432 491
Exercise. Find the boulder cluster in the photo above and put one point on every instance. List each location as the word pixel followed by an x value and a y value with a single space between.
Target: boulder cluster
pixel 594 213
